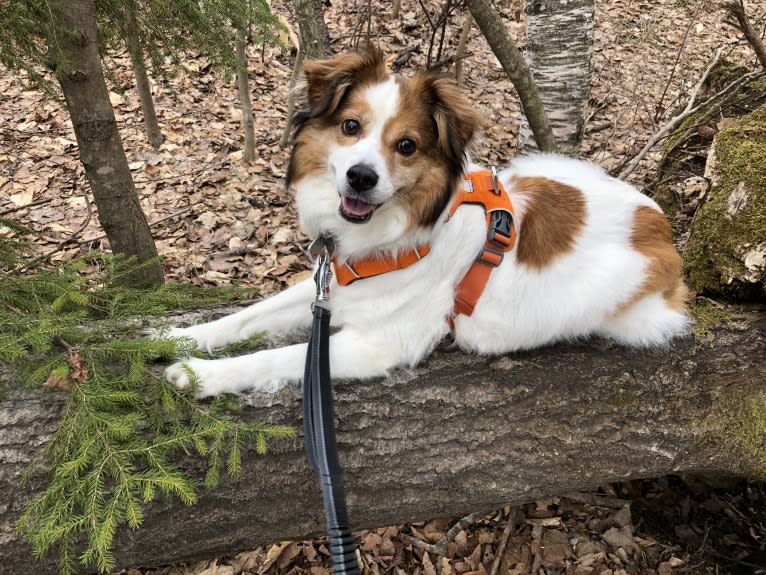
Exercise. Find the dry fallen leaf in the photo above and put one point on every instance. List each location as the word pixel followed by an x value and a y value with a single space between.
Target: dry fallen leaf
pixel 55 381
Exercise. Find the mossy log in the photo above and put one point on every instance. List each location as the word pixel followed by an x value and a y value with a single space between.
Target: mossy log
pixel 726 251
pixel 458 434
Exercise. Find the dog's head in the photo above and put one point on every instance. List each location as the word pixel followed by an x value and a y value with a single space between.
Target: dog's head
pixel 376 154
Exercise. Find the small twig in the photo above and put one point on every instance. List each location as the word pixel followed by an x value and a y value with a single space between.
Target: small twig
pixel 688 111
pixel 15 310
pixel 425 13
pixel 61 245
pixel 447 62
pixel 29 205
pixel 440 547
pixel 658 107
pixel 404 56
pixel 507 532
pixel 597 500
pixel 538 561
pixel 151 225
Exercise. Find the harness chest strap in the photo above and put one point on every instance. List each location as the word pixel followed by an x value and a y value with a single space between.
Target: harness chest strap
pixel 485 189
pixel 479 188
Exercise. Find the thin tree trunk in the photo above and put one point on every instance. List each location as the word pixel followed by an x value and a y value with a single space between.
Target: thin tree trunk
pixel 559 53
pixel 315 39
pixel 285 139
pixel 395 9
pixel 81 76
pixel 153 133
pixel 458 434
pixel 243 86
pixel 517 70
pixel 461 45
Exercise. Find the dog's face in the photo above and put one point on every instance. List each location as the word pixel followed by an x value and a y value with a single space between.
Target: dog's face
pixel 375 150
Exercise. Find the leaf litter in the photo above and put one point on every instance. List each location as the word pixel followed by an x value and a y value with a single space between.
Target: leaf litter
pixel 217 221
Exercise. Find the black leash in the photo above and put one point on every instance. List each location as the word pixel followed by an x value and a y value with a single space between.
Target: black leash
pixel 319 422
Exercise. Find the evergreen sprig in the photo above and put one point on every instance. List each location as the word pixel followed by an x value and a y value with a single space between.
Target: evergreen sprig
pixel 124 429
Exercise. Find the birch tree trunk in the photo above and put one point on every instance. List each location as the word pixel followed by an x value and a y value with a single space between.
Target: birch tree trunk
pixel 559 53
pixel 153 133
pixel 458 434
pixel 516 68
pixel 73 33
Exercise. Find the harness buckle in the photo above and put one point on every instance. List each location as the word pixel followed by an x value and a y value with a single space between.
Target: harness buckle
pixel 500 228
pixel 490 256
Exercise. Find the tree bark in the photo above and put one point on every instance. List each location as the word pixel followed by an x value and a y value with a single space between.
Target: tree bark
pixel 456 435
pixel 559 53
pixel 153 133
pixel 243 87
pixel 315 39
pixel 284 140
pixel 516 68
pixel 73 36
pixel 461 45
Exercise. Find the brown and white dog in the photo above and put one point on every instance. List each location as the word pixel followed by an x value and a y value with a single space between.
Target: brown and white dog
pixel 377 159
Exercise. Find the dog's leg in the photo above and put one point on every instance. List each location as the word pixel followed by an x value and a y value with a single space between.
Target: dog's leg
pixel 278 315
pixel 353 355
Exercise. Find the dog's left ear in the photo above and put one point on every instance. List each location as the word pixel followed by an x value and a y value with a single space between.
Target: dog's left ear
pixel 456 120
pixel 328 80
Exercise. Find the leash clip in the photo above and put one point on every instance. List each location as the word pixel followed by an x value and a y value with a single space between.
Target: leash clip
pixel 495 185
pixel 323 249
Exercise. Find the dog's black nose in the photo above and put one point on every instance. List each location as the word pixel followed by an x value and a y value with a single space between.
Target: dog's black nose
pixel 361 178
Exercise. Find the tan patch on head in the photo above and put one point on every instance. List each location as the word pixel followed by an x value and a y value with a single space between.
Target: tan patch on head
pixel 652 237
pixel 309 153
pixel 327 83
pixel 328 80
pixel 554 215
pixel 435 114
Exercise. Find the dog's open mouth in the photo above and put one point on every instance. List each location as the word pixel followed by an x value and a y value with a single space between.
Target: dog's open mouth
pixel 355 210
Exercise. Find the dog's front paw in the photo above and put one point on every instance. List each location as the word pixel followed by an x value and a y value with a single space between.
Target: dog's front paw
pixel 204 375
pixel 208 336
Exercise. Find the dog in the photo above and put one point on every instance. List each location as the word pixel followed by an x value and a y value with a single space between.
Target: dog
pixel 377 161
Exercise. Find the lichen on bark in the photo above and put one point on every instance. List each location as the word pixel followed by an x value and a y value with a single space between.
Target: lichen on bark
pixel 730 227
pixel 738 422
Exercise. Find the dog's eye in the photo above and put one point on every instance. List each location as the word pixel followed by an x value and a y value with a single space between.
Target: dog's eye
pixel 350 127
pixel 406 146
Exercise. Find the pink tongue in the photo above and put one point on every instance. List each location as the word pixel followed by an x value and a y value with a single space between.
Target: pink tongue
pixel 356 207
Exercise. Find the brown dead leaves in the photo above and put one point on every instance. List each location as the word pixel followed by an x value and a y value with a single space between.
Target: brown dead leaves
pixel 77 374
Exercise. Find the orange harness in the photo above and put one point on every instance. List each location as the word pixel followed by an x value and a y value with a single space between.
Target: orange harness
pixel 479 188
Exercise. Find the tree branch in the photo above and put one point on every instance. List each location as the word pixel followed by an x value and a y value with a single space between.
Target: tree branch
pixel 689 110
pixel 516 68
pixel 737 9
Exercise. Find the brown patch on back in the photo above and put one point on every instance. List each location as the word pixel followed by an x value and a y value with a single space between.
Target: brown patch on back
pixel 652 237
pixel 554 215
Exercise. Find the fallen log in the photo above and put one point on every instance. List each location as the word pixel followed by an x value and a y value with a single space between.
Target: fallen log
pixel 456 435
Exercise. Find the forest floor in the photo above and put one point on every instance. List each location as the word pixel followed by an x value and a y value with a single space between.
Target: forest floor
pixel 219 221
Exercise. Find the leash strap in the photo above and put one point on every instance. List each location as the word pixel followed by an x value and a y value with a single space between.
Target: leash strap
pixel 319 424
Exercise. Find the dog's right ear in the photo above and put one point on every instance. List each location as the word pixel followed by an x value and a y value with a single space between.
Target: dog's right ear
pixel 327 81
